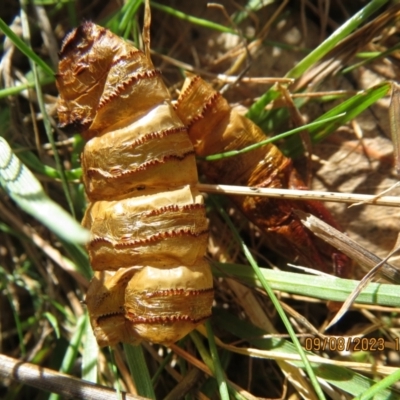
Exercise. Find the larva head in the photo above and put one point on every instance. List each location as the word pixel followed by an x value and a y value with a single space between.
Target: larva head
pixel 103 80
pixel 85 58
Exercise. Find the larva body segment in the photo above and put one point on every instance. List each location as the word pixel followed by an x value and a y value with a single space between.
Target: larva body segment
pixel 214 127
pixel 147 220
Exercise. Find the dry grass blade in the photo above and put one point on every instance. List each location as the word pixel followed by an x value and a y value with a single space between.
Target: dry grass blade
pixel 350 247
pixel 346 50
pixel 363 283
pixel 350 198
pixel 42 244
pixel 394 115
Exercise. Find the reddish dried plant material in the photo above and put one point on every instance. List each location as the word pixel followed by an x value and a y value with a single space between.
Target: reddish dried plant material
pixel 147 220
pixel 215 128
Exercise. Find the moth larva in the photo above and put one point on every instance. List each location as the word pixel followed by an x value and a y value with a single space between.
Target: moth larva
pixel 147 220
pixel 214 127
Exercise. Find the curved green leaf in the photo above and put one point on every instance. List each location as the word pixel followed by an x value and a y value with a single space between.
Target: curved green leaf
pixel 28 193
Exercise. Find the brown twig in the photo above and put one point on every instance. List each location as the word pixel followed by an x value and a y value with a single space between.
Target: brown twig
pixel 55 382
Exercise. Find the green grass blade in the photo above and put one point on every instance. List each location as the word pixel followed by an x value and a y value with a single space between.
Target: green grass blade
pixel 53 322
pixel 25 49
pixel 140 373
pixel 90 354
pixel 202 349
pixel 72 351
pixel 347 111
pixel 43 110
pixel 74 344
pixel 219 373
pixel 257 111
pixel 80 258
pixel 323 126
pixel 19 325
pixel 352 382
pixel 194 20
pixel 351 108
pixel 340 377
pixel 123 22
pixel 28 193
pixel 252 6
pixel 165 361
pixel 378 389
pixel 287 134
pixel 128 16
pixel 215 367
pixel 371 57
pixel 326 287
pixel 341 33
pixel 11 91
pixel 32 161
pixel 265 285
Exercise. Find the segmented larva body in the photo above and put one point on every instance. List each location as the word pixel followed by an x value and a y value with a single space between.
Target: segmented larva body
pixel 147 221
pixel 214 127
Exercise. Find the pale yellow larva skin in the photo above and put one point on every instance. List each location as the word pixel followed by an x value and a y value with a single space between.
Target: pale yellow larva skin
pixel 157 229
pixel 148 226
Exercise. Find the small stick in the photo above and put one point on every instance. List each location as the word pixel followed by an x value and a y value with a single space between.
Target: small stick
pixel 65 385
pixel 390 201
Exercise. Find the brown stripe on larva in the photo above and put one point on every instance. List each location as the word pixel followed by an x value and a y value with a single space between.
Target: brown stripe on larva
pixel 145 166
pixel 114 314
pixel 185 91
pixel 126 57
pixel 156 299
pixel 151 74
pixel 174 292
pixel 187 94
pixel 162 236
pixel 207 106
pixel 150 241
pixel 166 319
pixel 158 135
pixel 175 208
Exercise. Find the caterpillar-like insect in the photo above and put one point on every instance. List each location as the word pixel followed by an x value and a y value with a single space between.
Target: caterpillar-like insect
pixel 147 220
pixel 214 127
pixel 148 224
